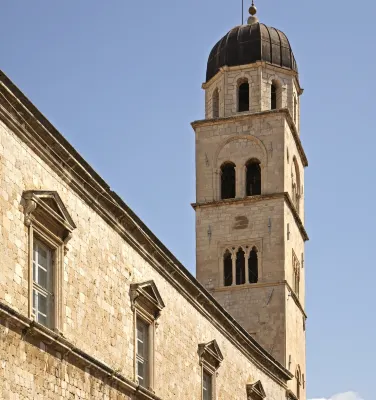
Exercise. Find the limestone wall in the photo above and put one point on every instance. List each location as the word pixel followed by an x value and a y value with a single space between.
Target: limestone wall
pixel 238 141
pixel 97 317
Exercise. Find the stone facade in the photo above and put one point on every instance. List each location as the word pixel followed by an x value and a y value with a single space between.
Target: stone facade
pixel 272 222
pixel 89 351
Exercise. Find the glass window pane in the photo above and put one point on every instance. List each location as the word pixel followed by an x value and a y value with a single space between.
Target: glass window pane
pixel 142 339
pixel 140 371
pixel 42 278
pixel 40 308
pixel 140 348
pixel 42 319
pixel 207 386
pixel 42 257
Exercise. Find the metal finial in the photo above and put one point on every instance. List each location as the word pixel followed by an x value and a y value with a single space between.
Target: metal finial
pixel 252 10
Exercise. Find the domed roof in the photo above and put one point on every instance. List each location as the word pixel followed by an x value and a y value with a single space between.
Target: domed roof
pixel 247 44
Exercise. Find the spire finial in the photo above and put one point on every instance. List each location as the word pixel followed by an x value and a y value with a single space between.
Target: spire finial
pixel 252 10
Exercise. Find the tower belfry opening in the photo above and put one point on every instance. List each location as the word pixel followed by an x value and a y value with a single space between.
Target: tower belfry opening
pixel 258 162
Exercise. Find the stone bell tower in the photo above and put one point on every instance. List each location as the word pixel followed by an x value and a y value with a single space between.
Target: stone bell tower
pixel 250 164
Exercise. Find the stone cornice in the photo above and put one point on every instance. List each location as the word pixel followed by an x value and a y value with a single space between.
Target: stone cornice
pixel 255 65
pixel 296 299
pixel 24 119
pixel 254 115
pixel 256 199
pixel 31 330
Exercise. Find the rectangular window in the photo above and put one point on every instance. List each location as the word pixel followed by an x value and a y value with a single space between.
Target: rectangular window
pixel 142 339
pixel 43 296
pixel 207 386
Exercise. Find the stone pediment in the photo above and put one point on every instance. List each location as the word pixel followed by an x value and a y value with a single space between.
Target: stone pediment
pixel 210 354
pixel 146 296
pixel 46 207
pixel 255 391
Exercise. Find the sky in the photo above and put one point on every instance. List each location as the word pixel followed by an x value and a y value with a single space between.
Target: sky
pixel 121 80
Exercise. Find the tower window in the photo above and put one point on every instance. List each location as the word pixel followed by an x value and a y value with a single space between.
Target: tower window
pixel 298 382
pixel 253 266
pixel 295 182
pixel 215 103
pixel 243 97
pixel 275 95
pixel 296 270
pixel 240 267
pixel 227 268
pixel 228 184
pixel 253 184
pixel 295 110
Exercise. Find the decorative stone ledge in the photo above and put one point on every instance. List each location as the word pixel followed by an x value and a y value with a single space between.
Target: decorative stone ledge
pixel 29 329
pixel 256 199
pixel 254 115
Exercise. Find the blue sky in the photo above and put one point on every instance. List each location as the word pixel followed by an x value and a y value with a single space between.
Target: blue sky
pixel 122 81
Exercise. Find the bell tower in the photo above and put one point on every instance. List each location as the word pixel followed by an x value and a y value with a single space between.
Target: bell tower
pixel 249 206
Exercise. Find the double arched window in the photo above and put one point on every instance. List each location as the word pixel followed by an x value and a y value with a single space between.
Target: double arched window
pixel 243 263
pixel 228 181
pixel 253 177
pixel 243 96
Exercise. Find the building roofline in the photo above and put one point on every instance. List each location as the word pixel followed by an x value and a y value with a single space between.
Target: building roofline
pixel 28 123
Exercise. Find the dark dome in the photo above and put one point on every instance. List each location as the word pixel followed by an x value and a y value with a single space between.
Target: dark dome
pixel 247 44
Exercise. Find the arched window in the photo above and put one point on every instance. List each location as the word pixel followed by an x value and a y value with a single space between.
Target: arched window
pixel 215 103
pixel 243 97
pixel 295 182
pixel 295 109
pixel 228 185
pixel 240 267
pixel 253 184
pixel 253 266
pixel 275 95
pixel 298 377
pixel 227 268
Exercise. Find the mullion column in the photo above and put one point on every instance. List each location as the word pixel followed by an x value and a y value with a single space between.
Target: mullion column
pixel 233 269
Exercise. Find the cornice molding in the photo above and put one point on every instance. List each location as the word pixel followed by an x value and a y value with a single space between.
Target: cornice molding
pixel 255 115
pixel 254 65
pixel 25 121
pixel 256 199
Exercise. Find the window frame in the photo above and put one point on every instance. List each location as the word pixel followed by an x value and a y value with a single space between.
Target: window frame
pixel 147 357
pixel 232 249
pixel 207 373
pixel 48 223
pixel 49 291
pixel 210 359
pixel 146 304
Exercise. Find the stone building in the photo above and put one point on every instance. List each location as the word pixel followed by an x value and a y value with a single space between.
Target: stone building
pixel 94 306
